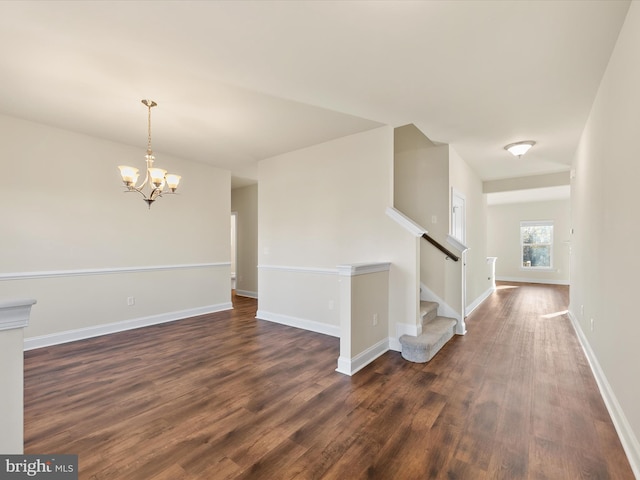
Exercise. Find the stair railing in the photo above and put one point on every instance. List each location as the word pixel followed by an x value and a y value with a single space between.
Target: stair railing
pixel 444 250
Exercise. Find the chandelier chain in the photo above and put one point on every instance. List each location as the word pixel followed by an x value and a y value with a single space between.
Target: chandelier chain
pixel 149 152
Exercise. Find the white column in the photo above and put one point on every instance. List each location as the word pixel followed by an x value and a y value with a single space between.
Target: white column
pixel 14 316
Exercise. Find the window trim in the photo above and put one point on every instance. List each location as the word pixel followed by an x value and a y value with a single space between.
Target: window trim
pixel 536 223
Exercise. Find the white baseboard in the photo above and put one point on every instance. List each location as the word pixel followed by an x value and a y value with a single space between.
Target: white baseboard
pixel 394 344
pixel 476 303
pixel 408 329
pixel 532 280
pixel 105 329
pixel 628 439
pixel 304 324
pixel 246 293
pixel 357 363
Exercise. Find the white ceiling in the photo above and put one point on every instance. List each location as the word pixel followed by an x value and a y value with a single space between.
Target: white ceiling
pixel 239 81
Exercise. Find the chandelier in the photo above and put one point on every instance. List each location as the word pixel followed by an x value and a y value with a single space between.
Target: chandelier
pixel 155 179
pixel 519 148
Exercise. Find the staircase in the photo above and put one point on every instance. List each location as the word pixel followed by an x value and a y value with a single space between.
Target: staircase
pixel 436 331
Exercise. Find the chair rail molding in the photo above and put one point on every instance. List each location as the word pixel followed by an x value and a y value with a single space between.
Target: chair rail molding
pixel 106 271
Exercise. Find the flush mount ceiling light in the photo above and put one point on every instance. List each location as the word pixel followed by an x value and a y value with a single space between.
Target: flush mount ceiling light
pixel 155 179
pixel 519 148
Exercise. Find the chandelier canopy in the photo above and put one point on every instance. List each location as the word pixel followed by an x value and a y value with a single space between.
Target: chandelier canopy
pixel 155 179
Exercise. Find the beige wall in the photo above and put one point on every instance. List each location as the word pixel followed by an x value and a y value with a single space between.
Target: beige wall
pixel 424 176
pixel 244 201
pixel 604 205
pixel 421 186
pixel 503 234
pixel 80 246
pixel 321 207
pixel 364 306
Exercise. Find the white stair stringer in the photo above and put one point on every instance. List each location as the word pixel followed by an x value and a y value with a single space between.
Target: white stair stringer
pixel 443 308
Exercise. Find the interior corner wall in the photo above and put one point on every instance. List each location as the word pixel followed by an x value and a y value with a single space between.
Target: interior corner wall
pixel 465 180
pixel 321 207
pixel 244 201
pixel 604 206
pixel 421 186
pixel 503 236
pixel 73 240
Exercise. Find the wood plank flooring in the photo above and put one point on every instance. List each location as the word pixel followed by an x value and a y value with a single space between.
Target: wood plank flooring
pixel 226 396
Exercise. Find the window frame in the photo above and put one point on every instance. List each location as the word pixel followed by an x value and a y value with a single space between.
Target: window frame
pixel 536 223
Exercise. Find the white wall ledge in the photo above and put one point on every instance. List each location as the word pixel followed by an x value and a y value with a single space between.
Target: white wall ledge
pixel 15 313
pixel 451 240
pixel 405 222
pixel 354 269
pixel 294 269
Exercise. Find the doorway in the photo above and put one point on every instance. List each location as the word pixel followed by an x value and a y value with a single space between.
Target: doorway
pixel 234 248
pixel 458 216
pixel 459 232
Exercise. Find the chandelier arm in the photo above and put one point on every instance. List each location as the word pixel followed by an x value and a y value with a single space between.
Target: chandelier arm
pixel 139 190
pixel 146 179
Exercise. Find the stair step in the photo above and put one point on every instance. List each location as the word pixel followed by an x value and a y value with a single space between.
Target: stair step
pixel 435 335
pixel 428 311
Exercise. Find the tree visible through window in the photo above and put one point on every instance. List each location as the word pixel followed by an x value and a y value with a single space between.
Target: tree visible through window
pixel 536 241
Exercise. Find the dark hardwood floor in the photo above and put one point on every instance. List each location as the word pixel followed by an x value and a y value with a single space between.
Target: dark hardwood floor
pixel 228 396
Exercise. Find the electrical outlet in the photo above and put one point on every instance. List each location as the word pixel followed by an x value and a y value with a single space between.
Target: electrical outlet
pixel 331 304
pixel 131 301
pixel 592 324
pixel 375 319
pixel 434 219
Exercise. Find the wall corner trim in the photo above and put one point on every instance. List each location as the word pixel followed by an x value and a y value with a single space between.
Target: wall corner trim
pixel 302 323
pixel 351 366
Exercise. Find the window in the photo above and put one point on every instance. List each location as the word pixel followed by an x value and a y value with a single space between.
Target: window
pixel 536 242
